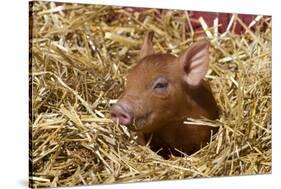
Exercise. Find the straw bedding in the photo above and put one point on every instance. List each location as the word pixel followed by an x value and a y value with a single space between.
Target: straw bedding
pixel 79 56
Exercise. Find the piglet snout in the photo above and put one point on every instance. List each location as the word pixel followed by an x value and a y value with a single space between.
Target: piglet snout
pixel 120 111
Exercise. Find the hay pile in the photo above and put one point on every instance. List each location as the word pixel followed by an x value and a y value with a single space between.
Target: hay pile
pixel 79 55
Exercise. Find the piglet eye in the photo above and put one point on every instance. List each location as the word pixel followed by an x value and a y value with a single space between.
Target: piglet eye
pixel 161 85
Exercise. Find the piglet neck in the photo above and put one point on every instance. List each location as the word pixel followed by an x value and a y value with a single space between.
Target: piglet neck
pixel 203 103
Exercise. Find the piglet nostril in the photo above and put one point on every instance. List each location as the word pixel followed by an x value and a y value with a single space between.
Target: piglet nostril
pixel 119 112
pixel 126 119
pixel 113 115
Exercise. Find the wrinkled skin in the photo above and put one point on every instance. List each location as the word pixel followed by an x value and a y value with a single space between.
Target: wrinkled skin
pixel 161 92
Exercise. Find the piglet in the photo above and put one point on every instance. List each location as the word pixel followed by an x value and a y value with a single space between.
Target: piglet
pixel 163 90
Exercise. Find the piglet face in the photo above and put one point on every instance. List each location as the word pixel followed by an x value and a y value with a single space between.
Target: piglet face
pixel 152 97
pixel 156 93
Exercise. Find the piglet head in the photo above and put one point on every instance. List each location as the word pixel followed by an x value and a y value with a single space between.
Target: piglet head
pixel 158 87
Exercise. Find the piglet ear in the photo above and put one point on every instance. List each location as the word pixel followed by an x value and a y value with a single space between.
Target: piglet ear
pixel 195 62
pixel 147 47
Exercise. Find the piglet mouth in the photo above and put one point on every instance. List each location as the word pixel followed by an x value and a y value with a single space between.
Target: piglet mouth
pixel 122 114
pixel 139 123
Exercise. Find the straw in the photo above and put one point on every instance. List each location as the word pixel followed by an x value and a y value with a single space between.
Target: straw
pixel 80 55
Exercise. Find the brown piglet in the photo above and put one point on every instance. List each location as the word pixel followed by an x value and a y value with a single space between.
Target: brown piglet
pixel 162 91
